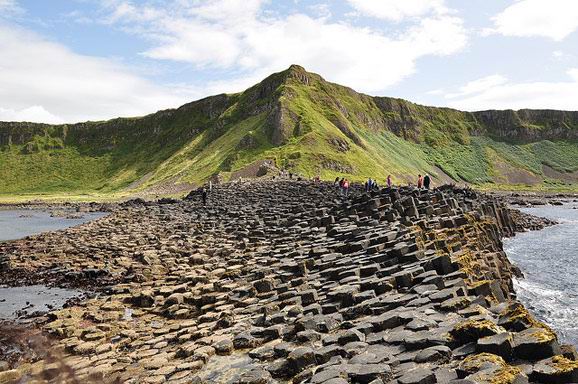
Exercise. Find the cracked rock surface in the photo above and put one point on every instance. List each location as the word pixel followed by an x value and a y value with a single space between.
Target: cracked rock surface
pixel 286 281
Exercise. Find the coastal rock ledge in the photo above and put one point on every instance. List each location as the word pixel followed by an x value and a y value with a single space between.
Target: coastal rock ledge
pixel 287 282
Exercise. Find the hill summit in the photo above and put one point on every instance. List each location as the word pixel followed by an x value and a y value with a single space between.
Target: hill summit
pixel 298 121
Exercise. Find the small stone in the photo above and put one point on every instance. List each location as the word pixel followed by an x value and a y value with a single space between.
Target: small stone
pixel 351 335
pixel 439 354
pixel 223 347
pixel 301 358
pixel 418 376
pixel 500 344
pixel 254 376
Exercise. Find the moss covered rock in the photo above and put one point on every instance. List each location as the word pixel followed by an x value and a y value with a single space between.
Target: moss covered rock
pixel 557 369
pixel 472 330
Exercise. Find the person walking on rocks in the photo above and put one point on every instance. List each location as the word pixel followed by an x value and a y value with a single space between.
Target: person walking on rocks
pixel 426 182
pixel 336 182
pixel 368 185
pixel 204 195
pixel 346 187
pixel 389 181
pixel 419 181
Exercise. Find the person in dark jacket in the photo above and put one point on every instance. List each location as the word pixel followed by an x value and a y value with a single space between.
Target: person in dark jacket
pixel 426 181
pixel 204 196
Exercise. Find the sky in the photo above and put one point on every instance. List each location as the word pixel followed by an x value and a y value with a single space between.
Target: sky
pixel 75 60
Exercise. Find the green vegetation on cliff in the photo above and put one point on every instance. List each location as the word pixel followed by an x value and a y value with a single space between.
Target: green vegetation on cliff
pixel 301 122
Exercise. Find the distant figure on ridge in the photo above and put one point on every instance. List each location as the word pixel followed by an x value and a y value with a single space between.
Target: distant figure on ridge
pixel 336 182
pixel 419 181
pixel 388 181
pixel 426 181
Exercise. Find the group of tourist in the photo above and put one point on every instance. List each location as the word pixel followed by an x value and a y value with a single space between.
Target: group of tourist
pixel 343 185
pixel 370 185
pixel 423 182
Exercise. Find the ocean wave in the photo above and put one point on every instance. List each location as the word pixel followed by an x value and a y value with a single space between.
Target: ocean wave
pixel 553 306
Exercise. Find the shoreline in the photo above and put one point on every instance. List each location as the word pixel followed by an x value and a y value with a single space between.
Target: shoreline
pixel 418 253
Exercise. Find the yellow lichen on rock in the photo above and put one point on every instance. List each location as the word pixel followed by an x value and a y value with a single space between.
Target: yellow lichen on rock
pixel 472 330
pixel 563 364
pixel 517 313
pixel 498 371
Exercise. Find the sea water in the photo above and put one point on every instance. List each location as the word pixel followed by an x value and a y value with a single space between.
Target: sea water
pixel 18 223
pixel 549 261
pixel 21 301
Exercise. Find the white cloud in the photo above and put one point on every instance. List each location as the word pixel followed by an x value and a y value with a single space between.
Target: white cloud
pixel 504 94
pixel 42 80
pixel 239 35
pixel 320 9
pixel 554 19
pixel 7 4
pixel 45 82
pixel 9 8
pixel 479 85
pixel 397 10
pixel 35 113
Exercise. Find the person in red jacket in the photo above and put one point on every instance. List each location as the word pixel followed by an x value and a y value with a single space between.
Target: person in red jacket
pixel 346 187
pixel 419 181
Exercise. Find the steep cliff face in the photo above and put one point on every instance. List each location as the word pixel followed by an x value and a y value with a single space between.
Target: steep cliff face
pixel 190 119
pixel 303 123
pixel 529 125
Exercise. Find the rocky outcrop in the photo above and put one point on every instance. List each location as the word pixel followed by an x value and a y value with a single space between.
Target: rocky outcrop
pixel 95 137
pixel 527 125
pixel 287 281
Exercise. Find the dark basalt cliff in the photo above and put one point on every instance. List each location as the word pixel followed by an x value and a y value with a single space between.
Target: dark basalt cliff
pixel 102 135
pixel 528 125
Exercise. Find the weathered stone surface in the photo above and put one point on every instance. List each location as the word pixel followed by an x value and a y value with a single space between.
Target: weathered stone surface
pixel 289 281
pixel 418 376
pixel 536 344
pixel 501 344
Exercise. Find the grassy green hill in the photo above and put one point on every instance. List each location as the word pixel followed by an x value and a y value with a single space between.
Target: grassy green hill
pixel 302 123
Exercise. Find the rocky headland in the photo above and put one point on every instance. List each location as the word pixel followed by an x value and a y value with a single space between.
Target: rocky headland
pixel 286 282
pixel 295 120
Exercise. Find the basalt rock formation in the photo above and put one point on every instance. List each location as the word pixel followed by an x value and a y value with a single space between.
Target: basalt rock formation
pixel 288 281
pixel 305 124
